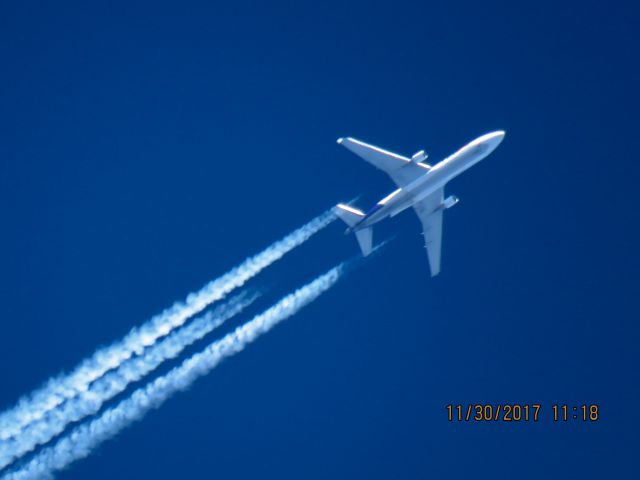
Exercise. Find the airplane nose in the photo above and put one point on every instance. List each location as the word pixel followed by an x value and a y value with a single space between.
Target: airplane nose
pixel 488 142
pixel 498 135
pixel 495 138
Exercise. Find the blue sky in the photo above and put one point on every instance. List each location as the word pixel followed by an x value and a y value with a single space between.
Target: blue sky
pixel 147 147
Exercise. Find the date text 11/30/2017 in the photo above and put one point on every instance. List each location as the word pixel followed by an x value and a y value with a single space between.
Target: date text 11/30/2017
pixel 514 412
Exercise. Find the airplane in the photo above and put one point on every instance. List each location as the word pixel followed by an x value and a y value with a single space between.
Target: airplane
pixel 420 186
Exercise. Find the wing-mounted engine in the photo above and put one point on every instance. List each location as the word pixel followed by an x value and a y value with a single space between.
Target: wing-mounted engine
pixel 448 202
pixel 419 157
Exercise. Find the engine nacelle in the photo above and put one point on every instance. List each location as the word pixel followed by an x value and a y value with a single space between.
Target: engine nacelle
pixel 449 202
pixel 418 157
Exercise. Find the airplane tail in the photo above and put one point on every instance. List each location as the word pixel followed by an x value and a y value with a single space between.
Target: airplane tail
pixel 351 216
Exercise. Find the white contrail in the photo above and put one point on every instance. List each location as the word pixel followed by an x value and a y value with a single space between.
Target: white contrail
pixel 57 390
pixel 83 439
pixel 112 383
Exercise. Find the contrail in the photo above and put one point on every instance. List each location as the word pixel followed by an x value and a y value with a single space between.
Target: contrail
pixel 63 387
pixel 112 383
pixel 84 438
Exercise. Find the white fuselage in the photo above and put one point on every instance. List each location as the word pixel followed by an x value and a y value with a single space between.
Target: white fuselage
pixel 433 179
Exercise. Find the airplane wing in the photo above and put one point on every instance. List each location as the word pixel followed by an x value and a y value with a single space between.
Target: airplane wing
pixel 429 212
pixel 401 169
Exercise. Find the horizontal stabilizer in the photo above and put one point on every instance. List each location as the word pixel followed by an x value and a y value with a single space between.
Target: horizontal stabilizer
pixel 365 240
pixel 352 216
pixel 349 215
